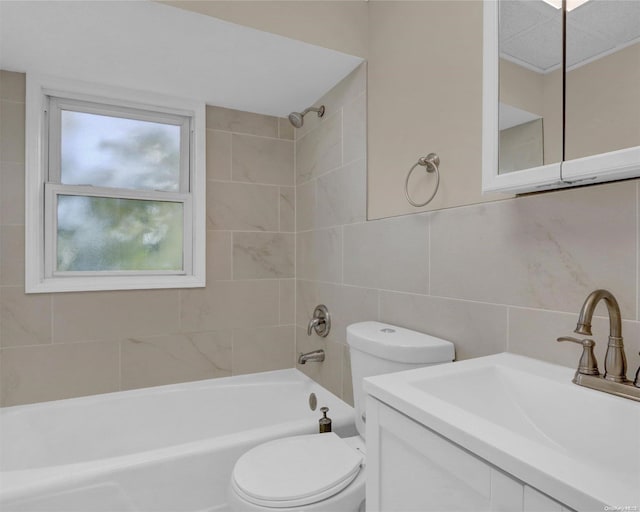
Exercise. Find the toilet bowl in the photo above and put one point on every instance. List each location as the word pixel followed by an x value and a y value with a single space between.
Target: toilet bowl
pixel 322 472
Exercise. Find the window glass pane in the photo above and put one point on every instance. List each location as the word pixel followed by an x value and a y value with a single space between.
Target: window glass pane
pixel 116 152
pixel 102 233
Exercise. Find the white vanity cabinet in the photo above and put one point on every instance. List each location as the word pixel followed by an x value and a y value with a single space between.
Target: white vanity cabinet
pixel 411 468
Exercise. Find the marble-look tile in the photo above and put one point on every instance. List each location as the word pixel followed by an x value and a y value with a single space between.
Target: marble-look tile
pixel 352 86
pixel 11 193
pixel 355 129
pixel 219 248
pixel 285 129
pixel 263 255
pixel 474 328
pixel 24 319
pixel 287 209
pixel 263 349
pixel 229 304
pixel 328 373
pixel 218 155
pixel 12 255
pixel 306 206
pixel 391 254
pixel 546 251
pixel 347 379
pixel 242 206
pixel 159 360
pixel 287 301
pixel 320 150
pixel 346 304
pixel 113 315
pixel 262 160
pixel 533 333
pixel 219 118
pixel 319 255
pixel 12 119
pixel 51 372
pixel 342 195
pixel 12 86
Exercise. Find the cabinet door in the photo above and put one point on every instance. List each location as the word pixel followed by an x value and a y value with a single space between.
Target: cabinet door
pixel 411 468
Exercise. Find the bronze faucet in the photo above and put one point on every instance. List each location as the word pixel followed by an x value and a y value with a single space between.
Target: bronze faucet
pixel 614 380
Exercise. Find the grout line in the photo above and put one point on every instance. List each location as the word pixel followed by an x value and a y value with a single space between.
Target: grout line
pixel 248 134
pixel 637 249
pixel 217 180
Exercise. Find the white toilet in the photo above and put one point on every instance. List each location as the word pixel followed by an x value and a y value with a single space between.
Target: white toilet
pixel 322 472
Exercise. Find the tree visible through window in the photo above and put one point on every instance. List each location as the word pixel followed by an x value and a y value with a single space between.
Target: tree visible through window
pixel 115 188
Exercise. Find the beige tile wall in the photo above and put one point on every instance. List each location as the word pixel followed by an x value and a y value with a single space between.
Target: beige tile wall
pixel 71 344
pixel 509 275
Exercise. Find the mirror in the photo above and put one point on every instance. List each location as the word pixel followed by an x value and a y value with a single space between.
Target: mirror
pixel 602 77
pixel 530 95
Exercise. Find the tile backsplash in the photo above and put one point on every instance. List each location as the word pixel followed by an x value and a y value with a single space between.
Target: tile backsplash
pixel 287 230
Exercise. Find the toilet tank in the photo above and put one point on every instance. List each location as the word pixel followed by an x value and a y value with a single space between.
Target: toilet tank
pixel 376 348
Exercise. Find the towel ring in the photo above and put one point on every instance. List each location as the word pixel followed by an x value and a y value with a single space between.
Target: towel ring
pixel 431 162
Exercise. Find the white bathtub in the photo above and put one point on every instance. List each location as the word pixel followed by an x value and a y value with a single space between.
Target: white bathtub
pixel 168 448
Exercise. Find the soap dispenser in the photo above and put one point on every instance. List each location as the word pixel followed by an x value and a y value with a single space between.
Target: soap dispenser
pixel 325 423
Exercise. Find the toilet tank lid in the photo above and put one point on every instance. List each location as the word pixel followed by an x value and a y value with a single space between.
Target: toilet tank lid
pixel 399 344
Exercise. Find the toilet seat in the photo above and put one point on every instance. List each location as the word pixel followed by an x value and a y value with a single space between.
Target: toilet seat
pixel 296 471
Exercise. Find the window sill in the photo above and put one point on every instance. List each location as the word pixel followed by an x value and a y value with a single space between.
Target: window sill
pixel 81 284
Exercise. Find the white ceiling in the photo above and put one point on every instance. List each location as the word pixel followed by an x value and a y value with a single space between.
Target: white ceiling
pixel 531 31
pixel 154 47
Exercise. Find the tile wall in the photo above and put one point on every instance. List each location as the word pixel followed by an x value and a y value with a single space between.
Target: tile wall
pixel 508 275
pixel 71 344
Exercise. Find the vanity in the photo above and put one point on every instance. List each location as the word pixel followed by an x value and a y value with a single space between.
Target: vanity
pixel 500 433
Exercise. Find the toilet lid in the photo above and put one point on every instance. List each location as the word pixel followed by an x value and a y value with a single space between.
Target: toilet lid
pixel 296 471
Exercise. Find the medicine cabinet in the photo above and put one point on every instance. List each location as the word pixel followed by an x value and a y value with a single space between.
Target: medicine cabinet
pixel 561 93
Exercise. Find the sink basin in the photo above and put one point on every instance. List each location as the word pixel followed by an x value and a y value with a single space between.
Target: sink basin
pixel 525 416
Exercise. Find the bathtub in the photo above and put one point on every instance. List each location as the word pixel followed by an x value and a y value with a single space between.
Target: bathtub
pixel 167 448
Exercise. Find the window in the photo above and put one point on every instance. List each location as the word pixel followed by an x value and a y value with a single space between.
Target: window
pixel 115 189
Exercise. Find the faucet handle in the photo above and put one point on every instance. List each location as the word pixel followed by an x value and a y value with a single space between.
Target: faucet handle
pixel 588 364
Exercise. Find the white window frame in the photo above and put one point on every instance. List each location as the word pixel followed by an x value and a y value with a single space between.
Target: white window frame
pixel 46 96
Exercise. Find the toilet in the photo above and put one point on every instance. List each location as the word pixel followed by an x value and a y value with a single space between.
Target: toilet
pixel 323 472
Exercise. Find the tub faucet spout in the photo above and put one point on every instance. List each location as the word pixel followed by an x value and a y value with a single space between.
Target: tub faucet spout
pixel 317 356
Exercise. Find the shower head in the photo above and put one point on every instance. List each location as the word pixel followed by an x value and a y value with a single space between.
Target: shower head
pixel 297 118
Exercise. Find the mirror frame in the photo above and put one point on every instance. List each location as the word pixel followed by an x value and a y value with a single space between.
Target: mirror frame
pixel 611 166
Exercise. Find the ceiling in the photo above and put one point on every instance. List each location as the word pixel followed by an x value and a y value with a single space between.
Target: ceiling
pixel 154 47
pixel 531 32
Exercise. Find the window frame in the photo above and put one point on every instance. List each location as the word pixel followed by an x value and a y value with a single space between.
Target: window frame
pixel 46 97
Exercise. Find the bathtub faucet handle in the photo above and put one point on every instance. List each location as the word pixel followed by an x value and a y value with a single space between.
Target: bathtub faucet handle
pixel 320 322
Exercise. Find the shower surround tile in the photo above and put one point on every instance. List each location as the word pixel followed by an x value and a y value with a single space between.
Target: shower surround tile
pixel 347 305
pixel 218 155
pixel 262 160
pixel 24 319
pixel 342 195
pixel 545 251
pixel 159 360
pixel 113 315
pixel 355 129
pixel 320 150
pixel 11 193
pixel 50 372
pixel 242 207
pixel 263 349
pixel 287 209
pixel 328 373
pixel 319 255
pixel 263 255
pixel 230 304
pixel 220 118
